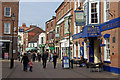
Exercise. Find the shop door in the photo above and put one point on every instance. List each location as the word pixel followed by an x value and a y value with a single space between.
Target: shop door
pixel 91 50
pixel 5 50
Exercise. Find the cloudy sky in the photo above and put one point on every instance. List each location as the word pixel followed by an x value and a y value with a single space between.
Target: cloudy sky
pixel 36 12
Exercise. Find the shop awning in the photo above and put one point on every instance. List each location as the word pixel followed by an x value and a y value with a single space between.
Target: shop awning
pixel 30 48
pixel 51 48
pixel 106 36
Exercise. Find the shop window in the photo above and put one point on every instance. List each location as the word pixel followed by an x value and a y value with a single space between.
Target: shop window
pixel 107 49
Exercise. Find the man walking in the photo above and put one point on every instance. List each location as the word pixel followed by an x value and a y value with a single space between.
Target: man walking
pixel 25 62
pixel 39 57
pixel 44 58
pixel 55 56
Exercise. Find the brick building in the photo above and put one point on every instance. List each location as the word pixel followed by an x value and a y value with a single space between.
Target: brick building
pixel 21 31
pixel 98 39
pixel 50 34
pixel 31 36
pixel 65 10
pixel 7 8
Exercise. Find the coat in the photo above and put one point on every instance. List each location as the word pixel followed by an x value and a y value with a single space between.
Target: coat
pixel 44 57
pixel 25 60
pixel 55 58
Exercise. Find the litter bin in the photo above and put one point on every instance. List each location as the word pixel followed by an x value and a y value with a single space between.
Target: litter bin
pixel 65 62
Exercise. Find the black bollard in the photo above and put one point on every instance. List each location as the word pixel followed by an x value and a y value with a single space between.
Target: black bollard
pixel 72 63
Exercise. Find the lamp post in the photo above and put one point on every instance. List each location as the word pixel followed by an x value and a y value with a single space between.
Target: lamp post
pixel 12 59
pixel 69 21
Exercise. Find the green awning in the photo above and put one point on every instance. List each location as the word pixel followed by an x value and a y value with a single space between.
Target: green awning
pixel 51 48
pixel 30 48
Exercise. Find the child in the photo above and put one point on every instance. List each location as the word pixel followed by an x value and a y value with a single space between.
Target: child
pixel 31 64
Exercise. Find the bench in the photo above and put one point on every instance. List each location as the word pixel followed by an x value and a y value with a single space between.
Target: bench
pixel 95 66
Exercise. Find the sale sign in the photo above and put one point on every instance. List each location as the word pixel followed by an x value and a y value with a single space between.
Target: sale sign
pixel 6 55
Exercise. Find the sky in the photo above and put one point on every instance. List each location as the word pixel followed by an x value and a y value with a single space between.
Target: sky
pixel 36 13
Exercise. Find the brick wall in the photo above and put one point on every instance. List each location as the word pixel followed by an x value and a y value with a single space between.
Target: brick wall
pixel 113 46
pixel 14 9
pixel 0 18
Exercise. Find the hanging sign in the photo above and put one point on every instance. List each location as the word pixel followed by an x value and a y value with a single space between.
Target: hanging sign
pixel 79 18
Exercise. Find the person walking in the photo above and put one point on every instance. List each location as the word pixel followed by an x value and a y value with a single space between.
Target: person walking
pixel 31 66
pixel 29 56
pixel 44 59
pixel 33 56
pixel 25 62
pixel 55 56
pixel 39 57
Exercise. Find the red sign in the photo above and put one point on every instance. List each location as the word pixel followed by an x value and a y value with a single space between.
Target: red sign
pixel 6 55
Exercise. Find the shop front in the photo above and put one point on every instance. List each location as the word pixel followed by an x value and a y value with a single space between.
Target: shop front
pixel 110 45
pixel 51 47
pixel 65 48
pixel 42 48
pixel 87 44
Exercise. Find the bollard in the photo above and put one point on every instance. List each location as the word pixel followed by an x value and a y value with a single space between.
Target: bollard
pixel 72 63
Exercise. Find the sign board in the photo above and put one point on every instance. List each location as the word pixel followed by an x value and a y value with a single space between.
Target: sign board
pixel 114 23
pixel 65 63
pixel 6 55
pixel 79 18
pixel 66 26
pixel 21 30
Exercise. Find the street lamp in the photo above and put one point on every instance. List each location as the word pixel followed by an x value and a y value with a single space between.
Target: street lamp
pixel 12 59
pixel 69 21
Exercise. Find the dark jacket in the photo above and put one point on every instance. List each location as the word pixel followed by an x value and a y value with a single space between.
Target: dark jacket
pixel 44 57
pixel 25 60
pixel 55 58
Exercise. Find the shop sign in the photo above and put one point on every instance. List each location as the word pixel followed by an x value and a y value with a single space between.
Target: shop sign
pixel 51 44
pixel 66 29
pixel 6 55
pixel 79 18
pixel 93 31
pixel 77 36
pixel 21 30
pixel 111 24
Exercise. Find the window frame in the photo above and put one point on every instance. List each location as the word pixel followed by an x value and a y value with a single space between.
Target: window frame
pixel 97 12
pixel 7 28
pixel 6 11
pixel 106 48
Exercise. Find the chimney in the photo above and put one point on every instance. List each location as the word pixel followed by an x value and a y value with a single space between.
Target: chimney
pixel 31 26
pixel 23 25
pixel 53 17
